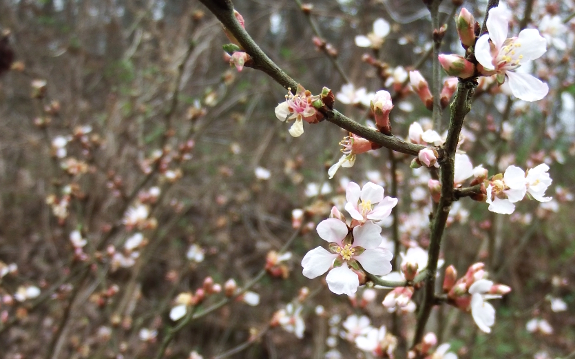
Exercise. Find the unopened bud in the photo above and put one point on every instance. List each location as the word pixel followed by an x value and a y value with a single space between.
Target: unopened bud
pixel 414 164
pixel 239 59
pixel 297 217
pixel 428 157
pixel 303 294
pixel 458 290
pixel 409 270
pixel 230 287
pixel 39 88
pixel 449 88
pixel 450 278
pixel 429 341
pixel 208 284
pixel 465 24
pixel 421 87
pixel 457 66
pixel 335 213
pixel 381 106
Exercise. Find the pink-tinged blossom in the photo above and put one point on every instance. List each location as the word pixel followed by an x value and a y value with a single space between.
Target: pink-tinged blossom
pixel 415 133
pixel 456 65
pixel 420 86
pixel 482 312
pixel 378 342
pixel 554 31
pixel 538 181
pixel 352 145
pixel 376 38
pixel 432 137
pixel 297 108
pixel 463 169
pixel 368 203
pixel 364 249
pixel 355 326
pixel 502 56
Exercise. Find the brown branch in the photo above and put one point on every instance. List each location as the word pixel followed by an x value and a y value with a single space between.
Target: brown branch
pixel 224 11
pixel 467 192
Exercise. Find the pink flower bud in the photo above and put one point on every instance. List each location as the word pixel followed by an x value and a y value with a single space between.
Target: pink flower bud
pixel 230 287
pixel 429 341
pixel 428 157
pixel 208 284
pixel 465 24
pixel 470 275
pixel 421 87
pixel 297 217
pixel 435 189
pixel 415 132
pixel 238 59
pixel 335 213
pixel 456 65
pixel 409 269
pixel 450 278
pixel 480 173
pixel 449 88
pixel 458 290
pixel 381 106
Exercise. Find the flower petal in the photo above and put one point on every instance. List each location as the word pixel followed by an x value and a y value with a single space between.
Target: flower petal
pixel 376 261
pixel 316 262
pixel 333 169
pixel 178 312
pixel 332 230
pixel 501 206
pixel 362 41
pixel 463 168
pixel 296 129
pixel 480 286
pixel 372 193
pixel 352 193
pixel 526 87
pixel 483 52
pixel 498 25
pixel 383 209
pixel 367 236
pixel 353 212
pixel 533 45
pixel 342 280
pixel 282 111
pixel 483 313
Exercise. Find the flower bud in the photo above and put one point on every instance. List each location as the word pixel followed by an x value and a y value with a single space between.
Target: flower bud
pixel 480 173
pixel 381 106
pixel 428 157
pixel 429 341
pixel 297 218
pixel 456 65
pixel 335 213
pixel 415 132
pixel 409 270
pixel 499 289
pixel 421 87
pixel 465 24
pixel 208 284
pixel 434 189
pixel 450 278
pixel 449 88
pixel 458 290
pixel 230 287
pixel 470 275
pixel 414 164
pixel 238 59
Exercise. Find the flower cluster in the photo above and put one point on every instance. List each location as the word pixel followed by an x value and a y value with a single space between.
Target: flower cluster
pixel 471 292
pixel 353 249
pixel 504 190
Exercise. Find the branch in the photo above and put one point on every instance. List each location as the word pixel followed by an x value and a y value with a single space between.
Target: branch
pixel 224 11
pixel 420 277
pixel 467 191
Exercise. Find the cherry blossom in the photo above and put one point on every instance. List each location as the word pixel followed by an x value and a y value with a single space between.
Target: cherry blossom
pixel 352 145
pixel 297 108
pixel 290 319
pixel 554 31
pixel 442 352
pixel 356 326
pixel 378 342
pixel 503 193
pixel 538 181
pixel 374 39
pixel 463 169
pixel 502 56
pixel 346 251
pixel 349 95
pixel 482 312
pixel 368 203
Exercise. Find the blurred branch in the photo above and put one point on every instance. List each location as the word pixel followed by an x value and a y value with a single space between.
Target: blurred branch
pixel 420 277
pixel 224 11
pixel 467 191
pixel 245 345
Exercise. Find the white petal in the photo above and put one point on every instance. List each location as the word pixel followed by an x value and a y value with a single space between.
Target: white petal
pixel 372 193
pixel 178 312
pixel 463 168
pixel 376 261
pixel 514 177
pixel 353 212
pixel 483 313
pixel 352 193
pixel 498 25
pixel 381 28
pixel 383 209
pixel 533 45
pixel 332 230
pixel 333 169
pixel 362 41
pixel 483 52
pixel 296 129
pixel 431 136
pixel 480 286
pixel 342 280
pixel 501 206
pixel 316 262
pixel 367 236
pixel 526 87
pixel 282 111
pixel 369 342
pixel 515 195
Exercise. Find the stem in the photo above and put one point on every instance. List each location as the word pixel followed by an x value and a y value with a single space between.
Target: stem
pixel 459 108
pixel 436 67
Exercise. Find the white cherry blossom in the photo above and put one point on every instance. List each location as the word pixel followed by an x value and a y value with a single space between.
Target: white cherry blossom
pixel 374 39
pixel 502 56
pixel 538 181
pixel 364 249
pixel 482 312
pixel 368 203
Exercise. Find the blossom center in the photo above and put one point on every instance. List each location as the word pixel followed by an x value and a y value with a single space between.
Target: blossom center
pixel 346 252
pixel 510 56
pixel 365 207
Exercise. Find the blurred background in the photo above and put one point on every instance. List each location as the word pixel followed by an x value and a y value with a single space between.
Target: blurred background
pixel 135 162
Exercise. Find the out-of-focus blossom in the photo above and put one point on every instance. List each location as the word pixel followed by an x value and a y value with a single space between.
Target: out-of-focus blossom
pixel 312 189
pixel 77 240
pixel 376 38
pixel 502 56
pixel 195 253
pixel 538 181
pixel 539 325
pixel 134 242
pixel 482 312
pixel 24 293
pixel 377 342
pixel 262 173
pixel 442 352
pixel 557 304
pixel 554 31
pixel 349 95
pixel 355 326
pixel 147 335
pixel 290 319
pixel 59 146
pixel 136 215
